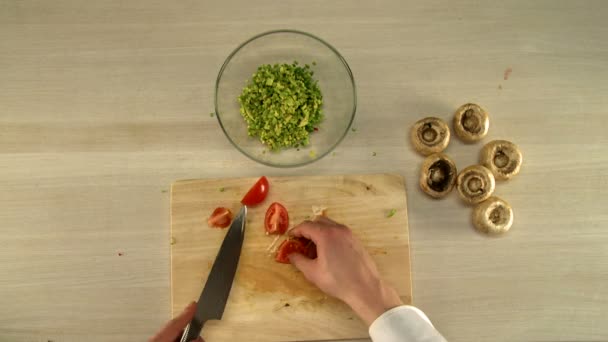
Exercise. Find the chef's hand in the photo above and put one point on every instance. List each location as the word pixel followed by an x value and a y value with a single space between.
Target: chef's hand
pixel 172 331
pixel 343 269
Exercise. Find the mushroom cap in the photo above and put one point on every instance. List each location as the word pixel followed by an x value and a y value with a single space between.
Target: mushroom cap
pixel 502 157
pixel 471 122
pixel 430 135
pixel 493 216
pixel 475 184
pixel 437 175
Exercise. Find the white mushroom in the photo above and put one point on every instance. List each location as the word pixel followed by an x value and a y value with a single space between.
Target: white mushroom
pixel 471 123
pixel 493 216
pixel 501 157
pixel 430 135
pixel 437 175
pixel 475 184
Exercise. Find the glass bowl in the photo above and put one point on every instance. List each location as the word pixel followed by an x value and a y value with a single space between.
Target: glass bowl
pixel 334 77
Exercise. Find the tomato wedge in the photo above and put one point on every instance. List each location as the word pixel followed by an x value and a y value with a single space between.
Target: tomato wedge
pixel 257 193
pixel 295 245
pixel 277 219
pixel 220 218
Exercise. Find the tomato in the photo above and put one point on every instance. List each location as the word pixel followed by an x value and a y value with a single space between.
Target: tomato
pixel 220 218
pixel 277 219
pixel 295 245
pixel 257 193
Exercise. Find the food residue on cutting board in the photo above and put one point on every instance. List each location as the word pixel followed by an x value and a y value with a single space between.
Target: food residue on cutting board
pixel 507 73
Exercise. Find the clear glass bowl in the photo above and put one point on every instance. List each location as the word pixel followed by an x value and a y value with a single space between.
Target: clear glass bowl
pixel 286 46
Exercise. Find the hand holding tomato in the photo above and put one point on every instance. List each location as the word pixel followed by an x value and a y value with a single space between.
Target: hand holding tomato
pixel 343 269
pixel 295 245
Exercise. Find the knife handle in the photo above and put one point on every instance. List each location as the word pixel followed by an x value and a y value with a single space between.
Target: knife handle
pixel 192 331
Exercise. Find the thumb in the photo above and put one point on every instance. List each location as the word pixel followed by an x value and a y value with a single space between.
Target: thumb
pixel 304 264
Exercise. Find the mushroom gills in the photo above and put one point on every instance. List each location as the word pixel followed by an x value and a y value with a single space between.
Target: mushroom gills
pixel 498 215
pixel 502 157
pixel 439 176
pixel 470 121
pixel 428 134
pixel 503 162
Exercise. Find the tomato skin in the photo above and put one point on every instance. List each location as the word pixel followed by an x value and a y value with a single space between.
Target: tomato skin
pixel 276 220
pixel 257 193
pixel 295 245
pixel 220 218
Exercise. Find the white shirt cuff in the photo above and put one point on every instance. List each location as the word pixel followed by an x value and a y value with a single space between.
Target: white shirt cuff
pixel 404 323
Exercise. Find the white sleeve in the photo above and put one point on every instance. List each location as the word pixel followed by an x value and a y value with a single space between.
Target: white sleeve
pixel 404 324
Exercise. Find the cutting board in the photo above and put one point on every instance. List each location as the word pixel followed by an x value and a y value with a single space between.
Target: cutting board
pixel 271 301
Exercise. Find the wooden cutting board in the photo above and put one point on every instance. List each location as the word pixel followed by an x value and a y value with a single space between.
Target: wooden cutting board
pixel 271 301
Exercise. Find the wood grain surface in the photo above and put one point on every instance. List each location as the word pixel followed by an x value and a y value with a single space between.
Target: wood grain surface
pixel 104 104
pixel 271 301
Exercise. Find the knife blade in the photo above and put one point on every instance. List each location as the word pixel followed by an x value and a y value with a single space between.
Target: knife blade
pixel 214 296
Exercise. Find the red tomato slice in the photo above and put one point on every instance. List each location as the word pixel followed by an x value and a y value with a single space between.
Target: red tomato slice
pixel 295 245
pixel 277 219
pixel 220 218
pixel 257 193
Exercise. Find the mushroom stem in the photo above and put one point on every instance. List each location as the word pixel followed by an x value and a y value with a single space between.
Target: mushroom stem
pixel 501 157
pixel 471 122
pixel 430 135
pixel 493 216
pixel 475 184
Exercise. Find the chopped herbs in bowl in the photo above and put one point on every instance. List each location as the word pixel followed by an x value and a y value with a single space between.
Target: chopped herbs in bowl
pixel 282 105
pixel 279 111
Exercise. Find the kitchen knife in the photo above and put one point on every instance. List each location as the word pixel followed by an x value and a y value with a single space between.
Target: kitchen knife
pixel 213 299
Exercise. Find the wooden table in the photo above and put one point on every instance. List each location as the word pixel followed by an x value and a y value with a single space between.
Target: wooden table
pixel 104 103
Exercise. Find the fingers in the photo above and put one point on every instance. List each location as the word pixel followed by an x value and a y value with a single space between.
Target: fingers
pixel 309 230
pixel 324 220
pixel 180 322
pixel 174 327
pixel 316 230
pixel 304 264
